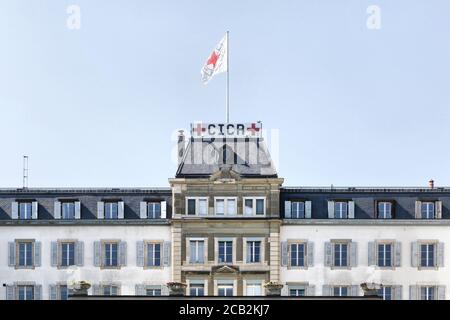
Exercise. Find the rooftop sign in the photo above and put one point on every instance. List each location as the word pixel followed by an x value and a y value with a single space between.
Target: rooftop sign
pixel 226 130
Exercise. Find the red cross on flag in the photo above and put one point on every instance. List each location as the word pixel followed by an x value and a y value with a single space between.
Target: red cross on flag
pixel 217 61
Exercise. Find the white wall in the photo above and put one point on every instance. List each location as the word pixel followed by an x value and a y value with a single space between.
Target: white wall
pixel 45 275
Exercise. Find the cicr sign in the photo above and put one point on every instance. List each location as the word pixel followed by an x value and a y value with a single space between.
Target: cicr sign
pixel 226 130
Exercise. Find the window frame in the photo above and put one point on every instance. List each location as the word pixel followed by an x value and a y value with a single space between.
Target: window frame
pixel 225 206
pixel 25 286
pixel 189 253
pixel 435 253
pixel 217 241
pixel 254 201
pixel 305 254
pixel 33 253
pixel 262 247
pixel 197 206
pixel 348 253
pixel 427 203
pixel 146 257
pixel 67 202
pixel 19 204
pixel 392 211
pixel 336 203
pixel 107 203
pixel 153 203
pixel 103 254
pixel 384 243
pixel 60 244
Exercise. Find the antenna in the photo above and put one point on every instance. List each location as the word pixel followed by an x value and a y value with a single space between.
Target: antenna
pixel 25 172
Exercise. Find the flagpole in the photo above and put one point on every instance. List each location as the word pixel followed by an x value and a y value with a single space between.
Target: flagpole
pixel 228 82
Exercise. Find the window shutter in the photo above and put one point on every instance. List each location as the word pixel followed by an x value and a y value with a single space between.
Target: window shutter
pixel 52 292
pixel 330 209
pixel 57 210
pixel 371 250
pixel 353 254
pixel 438 206
pixel 11 254
pixel 441 292
pixel 328 254
pixel 397 292
pixel 327 291
pixel 418 212
pixel 34 210
pixel 354 290
pixel 287 210
pixel 38 292
pixel 413 290
pixel 167 253
pixel 37 254
pixel 15 210
pixel 311 291
pixel 140 253
pixel 351 210
pixel 79 253
pixel 121 209
pixel 165 290
pixel 140 290
pixel 414 254
pixel 54 253
pixel 77 210
pixel 143 210
pixel 284 254
pixel 308 209
pixel 97 253
pixel 163 209
pixel 10 292
pixel 310 252
pixel 96 290
pixel 100 210
pixel 440 254
pixel 123 253
pixel 398 254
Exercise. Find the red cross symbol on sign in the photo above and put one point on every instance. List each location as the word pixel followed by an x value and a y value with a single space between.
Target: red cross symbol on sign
pixel 199 129
pixel 253 129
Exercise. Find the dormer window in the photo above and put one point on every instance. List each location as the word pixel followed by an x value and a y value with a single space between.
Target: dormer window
pixel 384 210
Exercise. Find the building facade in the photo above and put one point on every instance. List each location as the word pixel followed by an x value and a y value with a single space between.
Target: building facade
pixel 226 226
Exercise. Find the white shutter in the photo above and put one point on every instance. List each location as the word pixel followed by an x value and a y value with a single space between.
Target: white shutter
pixel 328 254
pixel 284 254
pixel 57 210
pixel 165 290
pixel 371 250
pixel 441 292
pixel 123 253
pixel 163 209
pixel 438 209
pixel 353 254
pixel 414 254
pixel 330 209
pixel 351 210
pixel 143 210
pixel 397 254
pixel 413 292
pixel 354 291
pixel 38 292
pixel 397 292
pixel 140 253
pixel 121 210
pixel 54 254
pixel 37 254
pixel 287 210
pixel 311 291
pixel 100 210
pixel 11 254
pixel 10 292
pixel 97 253
pixel 34 210
pixel 166 253
pixel 327 291
pixel 310 253
pixel 418 210
pixel 440 254
pixel 79 253
pixel 96 290
pixel 140 290
pixel 15 210
pixel 77 210
pixel 308 209
pixel 52 292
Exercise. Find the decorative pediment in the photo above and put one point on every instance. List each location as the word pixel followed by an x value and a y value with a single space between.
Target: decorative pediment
pixel 225 269
pixel 225 174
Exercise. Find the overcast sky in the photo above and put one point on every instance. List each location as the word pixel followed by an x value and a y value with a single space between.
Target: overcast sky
pixel 98 106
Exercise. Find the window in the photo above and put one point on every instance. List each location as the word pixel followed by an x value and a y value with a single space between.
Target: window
pixel 340 209
pixel 197 206
pixel 340 254
pixel 297 254
pixel 254 206
pixel 253 289
pixel 384 210
pixel 297 292
pixel 197 251
pixel 67 254
pixel 154 210
pixel 68 210
pixel 25 292
pixel 427 210
pixel 25 254
pixel 63 292
pixel 153 292
pixel 225 290
pixel 197 290
pixel 111 210
pixel 225 206
pixel 297 209
pixel 110 257
pixel 253 251
pixel 427 293
pixel 385 255
pixel 153 255
pixel 110 290
pixel 385 292
pixel 25 210
pixel 427 255
pixel 340 291
pixel 225 251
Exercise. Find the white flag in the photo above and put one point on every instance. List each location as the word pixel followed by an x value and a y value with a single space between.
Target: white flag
pixel 217 61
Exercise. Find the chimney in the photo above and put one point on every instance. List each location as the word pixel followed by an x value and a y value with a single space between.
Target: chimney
pixel 431 183
pixel 181 146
